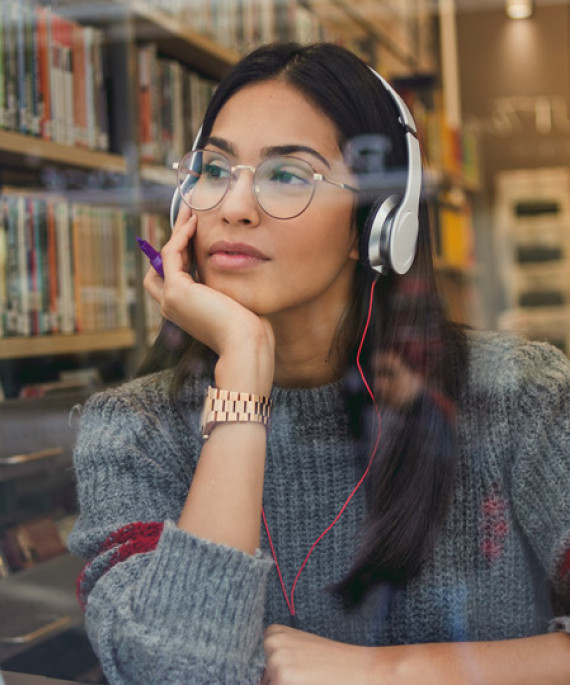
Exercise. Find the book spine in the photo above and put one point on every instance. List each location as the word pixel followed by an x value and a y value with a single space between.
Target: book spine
pixel 144 108
pixel 79 85
pixel 46 69
pixel 120 249
pixel 11 63
pixel 31 69
pixel 23 271
pixel 66 37
pixel 100 92
pixel 77 231
pixel 56 79
pixel 12 280
pixel 43 266
pixel 155 111
pixel 34 269
pixel 52 268
pixel 65 304
pixel 91 140
pixel 21 74
pixel 2 67
pixel 3 267
pixel 110 270
pixel 165 100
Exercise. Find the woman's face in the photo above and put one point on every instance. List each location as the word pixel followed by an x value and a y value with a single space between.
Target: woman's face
pixel 270 265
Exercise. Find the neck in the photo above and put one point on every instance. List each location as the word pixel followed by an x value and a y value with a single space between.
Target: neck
pixel 305 350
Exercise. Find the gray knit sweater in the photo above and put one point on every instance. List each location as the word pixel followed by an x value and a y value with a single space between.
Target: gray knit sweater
pixel 163 606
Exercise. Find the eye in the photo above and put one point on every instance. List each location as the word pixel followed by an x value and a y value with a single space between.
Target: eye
pixel 290 174
pixel 215 170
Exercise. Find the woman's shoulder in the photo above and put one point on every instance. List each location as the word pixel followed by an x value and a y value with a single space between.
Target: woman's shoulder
pixel 504 360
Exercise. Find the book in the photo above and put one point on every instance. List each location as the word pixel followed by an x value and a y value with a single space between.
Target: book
pixel 3 268
pixel 43 72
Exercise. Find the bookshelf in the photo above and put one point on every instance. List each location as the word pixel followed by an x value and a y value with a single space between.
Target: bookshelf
pixel 398 42
pixel 533 248
pixel 33 151
pixel 179 42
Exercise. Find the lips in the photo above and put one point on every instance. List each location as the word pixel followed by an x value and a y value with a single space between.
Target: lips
pixel 226 256
pixel 237 250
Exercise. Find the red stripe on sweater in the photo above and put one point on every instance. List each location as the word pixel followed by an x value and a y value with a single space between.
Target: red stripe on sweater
pixel 135 538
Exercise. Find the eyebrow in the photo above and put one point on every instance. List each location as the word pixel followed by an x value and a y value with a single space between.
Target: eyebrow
pixel 228 147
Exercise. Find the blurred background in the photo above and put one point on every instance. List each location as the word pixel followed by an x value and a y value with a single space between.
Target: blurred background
pixel 98 99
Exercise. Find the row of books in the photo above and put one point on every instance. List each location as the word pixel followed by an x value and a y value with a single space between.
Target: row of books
pixel 446 148
pixel 171 104
pixel 243 24
pixel 64 267
pixel 52 81
pixel 452 228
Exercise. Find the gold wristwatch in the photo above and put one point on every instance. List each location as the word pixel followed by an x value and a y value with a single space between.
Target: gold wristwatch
pixel 228 406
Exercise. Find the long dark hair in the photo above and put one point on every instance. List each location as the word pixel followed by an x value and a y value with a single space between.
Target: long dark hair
pixel 411 482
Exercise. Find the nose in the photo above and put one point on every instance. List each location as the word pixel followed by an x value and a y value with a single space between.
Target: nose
pixel 239 205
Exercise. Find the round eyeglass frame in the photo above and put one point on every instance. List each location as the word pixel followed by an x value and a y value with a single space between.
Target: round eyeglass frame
pixel 233 168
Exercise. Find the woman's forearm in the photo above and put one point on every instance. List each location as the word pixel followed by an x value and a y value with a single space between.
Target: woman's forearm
pixel 540 660
pixel 225 498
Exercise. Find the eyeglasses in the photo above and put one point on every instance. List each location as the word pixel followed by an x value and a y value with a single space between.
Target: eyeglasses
pixel 282 186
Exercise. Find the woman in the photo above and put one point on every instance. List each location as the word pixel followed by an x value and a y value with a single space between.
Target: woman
pixel 404 518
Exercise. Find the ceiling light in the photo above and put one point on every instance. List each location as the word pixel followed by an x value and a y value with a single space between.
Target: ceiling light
pixel 519 9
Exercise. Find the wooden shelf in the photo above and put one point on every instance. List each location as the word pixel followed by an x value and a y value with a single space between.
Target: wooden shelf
pixel 188 46
pixel 38 151
pixel 160 175
pixel 37 346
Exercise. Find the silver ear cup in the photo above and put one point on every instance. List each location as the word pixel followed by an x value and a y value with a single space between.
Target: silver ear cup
pixel 403 239
pixel 378 255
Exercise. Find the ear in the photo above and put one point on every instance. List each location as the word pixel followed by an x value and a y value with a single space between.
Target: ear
pixel 354 253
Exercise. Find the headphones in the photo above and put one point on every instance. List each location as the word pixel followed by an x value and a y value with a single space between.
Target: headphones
pixel 390 233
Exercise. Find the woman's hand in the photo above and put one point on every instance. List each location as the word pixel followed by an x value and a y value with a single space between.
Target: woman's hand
pixel 243 341
pixel 293 657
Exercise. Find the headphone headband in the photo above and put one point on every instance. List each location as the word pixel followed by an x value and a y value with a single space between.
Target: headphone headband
pixel 392 228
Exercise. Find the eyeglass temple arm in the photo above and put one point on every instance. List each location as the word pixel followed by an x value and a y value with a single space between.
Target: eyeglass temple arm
pixel 320 177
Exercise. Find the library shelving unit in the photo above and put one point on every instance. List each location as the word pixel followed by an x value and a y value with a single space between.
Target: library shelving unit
pixel 25 156
pixel 533 247
pixel 143 183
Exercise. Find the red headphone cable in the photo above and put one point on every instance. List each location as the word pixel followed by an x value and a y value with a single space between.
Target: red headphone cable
pixel 291 601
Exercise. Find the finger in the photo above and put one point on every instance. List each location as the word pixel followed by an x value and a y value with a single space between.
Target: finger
pixel 265 679
pixel 176 253
pixel 153 284
pixel 184 213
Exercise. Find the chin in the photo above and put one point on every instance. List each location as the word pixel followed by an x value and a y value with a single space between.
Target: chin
pixel 244 294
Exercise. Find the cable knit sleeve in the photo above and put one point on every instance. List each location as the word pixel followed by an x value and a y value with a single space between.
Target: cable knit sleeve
pixel 540 410
pixel 162 606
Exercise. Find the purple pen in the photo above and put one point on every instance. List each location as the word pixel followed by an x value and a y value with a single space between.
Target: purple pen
pixel 153 255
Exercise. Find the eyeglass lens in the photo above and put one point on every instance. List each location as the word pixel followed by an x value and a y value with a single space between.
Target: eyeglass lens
pixel 283 186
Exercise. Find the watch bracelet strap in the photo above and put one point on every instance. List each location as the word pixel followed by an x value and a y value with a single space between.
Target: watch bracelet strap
pixel 229 406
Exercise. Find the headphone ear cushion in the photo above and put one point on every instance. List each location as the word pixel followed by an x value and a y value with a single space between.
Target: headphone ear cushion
pixel 364 240
pixel 375 237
